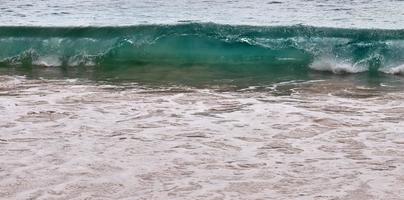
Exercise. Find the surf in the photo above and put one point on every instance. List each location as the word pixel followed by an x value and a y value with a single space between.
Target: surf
pixel 337 50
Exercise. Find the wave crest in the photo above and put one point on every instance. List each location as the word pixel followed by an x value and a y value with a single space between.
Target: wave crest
pixel 336 67
pixel 296 47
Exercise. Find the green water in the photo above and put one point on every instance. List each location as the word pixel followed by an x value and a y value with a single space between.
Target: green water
pixel 203 53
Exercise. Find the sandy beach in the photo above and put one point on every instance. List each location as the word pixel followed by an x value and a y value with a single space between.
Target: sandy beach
pixel 70 139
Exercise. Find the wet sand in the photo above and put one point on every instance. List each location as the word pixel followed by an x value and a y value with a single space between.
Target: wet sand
pixel 68 139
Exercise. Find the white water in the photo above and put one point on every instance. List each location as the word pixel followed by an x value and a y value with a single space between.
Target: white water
pixel 73 140
pixel 336 66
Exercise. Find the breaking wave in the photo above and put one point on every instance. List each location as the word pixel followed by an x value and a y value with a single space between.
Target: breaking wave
pixel 295 47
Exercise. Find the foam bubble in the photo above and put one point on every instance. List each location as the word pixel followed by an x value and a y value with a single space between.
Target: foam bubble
pixel 398 70
pixel 48 61
pixel 336 67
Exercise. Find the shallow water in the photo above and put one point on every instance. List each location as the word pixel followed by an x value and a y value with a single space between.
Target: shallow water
pixel 303 101
pixel 69 139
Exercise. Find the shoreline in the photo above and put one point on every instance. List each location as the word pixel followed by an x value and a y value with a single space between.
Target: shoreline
pixel 63 139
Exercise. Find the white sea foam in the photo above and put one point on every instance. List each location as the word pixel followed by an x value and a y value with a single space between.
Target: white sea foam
pixel 56 61
pixel 397 70
pixel 114 142
pixel 48 61
pixel 336 66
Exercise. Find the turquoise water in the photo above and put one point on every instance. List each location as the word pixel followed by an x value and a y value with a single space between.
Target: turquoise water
pixel 202 40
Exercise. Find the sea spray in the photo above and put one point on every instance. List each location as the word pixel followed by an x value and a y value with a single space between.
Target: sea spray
pixel 291 47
